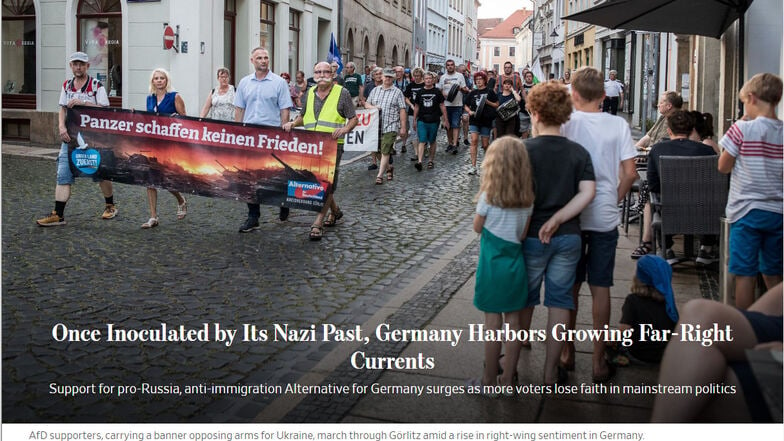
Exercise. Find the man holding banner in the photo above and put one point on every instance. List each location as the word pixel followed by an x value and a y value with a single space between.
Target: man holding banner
pixel 328 108
pixel 81 90
pixel 262 98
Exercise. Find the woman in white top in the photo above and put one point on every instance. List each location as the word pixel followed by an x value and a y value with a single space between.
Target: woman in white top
pixel 220 101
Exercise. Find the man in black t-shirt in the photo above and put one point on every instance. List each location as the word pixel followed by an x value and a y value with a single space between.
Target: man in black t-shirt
pixel 429 108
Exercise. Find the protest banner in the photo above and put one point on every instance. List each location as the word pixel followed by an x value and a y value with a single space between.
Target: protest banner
pixel 246 162
pixel 365 136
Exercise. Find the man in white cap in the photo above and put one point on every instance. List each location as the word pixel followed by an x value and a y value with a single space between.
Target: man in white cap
pixel 81 90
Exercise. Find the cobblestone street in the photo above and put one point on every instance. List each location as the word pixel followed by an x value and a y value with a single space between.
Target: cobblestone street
pixel 200 270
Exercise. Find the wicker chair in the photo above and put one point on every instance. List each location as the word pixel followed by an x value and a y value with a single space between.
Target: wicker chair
pixel 692 199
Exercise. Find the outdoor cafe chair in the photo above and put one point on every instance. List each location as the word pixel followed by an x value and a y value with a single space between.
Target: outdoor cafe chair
pixel 692 199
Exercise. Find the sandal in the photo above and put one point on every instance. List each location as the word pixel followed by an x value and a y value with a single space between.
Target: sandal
pixel 379 181
pixel 643 249
pixel 332 218
pixel 430 165
pixel 151 223
pixel 390 173
pixel 182 209
pixel 316 232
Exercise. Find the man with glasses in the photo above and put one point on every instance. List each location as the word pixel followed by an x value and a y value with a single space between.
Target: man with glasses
pixel 262 98
pixel 327 108
pixel 454 108
pixel 517 82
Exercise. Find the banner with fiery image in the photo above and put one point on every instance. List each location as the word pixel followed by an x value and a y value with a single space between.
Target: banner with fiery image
pixel 246 162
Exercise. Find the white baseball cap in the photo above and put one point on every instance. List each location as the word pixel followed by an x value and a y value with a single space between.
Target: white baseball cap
pixel 79 56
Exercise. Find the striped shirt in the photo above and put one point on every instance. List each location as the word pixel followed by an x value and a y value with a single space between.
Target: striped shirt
pixel 505 223
pixel 390 101
pixel 756 181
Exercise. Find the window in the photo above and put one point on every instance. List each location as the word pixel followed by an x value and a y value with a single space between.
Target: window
pixel 496 51
pixel 99 35
pixel 18 78
pixel 511 51
pixel 267 29
pixel 229 32
pixel 293 42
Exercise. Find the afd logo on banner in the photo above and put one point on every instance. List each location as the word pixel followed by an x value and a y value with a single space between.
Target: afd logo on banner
pixel 306 190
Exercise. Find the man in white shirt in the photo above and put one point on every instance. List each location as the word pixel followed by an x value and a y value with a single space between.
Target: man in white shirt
pixel 613 91
pixel 454 108
pixel 81 90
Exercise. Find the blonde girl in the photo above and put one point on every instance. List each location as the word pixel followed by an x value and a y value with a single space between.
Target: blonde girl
pixel 504 205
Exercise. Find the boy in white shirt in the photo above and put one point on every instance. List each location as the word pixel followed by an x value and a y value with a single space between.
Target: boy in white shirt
pixel 609 141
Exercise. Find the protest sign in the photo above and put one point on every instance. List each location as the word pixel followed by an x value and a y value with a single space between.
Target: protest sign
pixel 211 158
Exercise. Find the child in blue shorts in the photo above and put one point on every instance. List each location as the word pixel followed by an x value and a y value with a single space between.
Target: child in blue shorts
pixel 753 153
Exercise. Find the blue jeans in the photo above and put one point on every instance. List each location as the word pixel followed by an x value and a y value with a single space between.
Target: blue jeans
pixel 555 263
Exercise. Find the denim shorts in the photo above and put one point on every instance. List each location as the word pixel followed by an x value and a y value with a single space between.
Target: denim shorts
pixel 756 244
pixel 64 174
pixel 555 263
pixel 427 131
pixel 525 122
pixel 483 131
pixel 598 258
pixel 454 113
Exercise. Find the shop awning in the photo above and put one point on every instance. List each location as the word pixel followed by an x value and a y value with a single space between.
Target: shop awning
pixel 694 17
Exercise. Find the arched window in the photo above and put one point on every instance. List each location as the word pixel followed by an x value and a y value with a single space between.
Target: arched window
pixel 99 34
pixel 18 78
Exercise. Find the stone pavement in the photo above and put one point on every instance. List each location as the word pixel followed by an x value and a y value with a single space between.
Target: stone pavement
pixel 404 255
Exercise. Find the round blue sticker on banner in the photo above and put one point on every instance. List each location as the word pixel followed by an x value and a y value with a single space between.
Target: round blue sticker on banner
pixel 86 160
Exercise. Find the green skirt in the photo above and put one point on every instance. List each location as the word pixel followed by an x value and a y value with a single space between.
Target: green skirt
pixel 501 278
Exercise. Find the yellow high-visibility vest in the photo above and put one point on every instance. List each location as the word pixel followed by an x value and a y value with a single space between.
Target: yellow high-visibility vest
pixel 329 119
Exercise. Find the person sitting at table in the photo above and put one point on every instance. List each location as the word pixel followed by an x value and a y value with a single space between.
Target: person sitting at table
pixel 680 124
pixel 723 363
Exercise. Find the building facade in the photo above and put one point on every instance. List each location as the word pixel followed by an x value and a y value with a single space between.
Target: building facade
pixel 437 34
pixel 499 45
pixel 377 31
pixel 125 42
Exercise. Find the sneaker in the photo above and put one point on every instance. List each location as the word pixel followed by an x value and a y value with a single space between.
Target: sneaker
pixel 466 142
pixel 472 171
pixel 706 257
pixel 454 150
pixel 109 212
pixel 52 220
pixel 252 223
pixel 372 166
pixel 669 256
pixel 449 148
pixel 284 213
pixel 418 166
pixel 414 158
